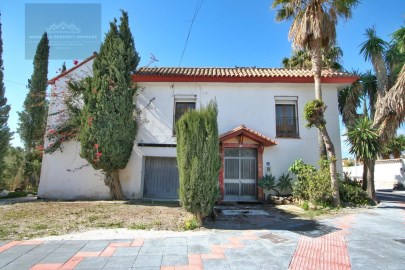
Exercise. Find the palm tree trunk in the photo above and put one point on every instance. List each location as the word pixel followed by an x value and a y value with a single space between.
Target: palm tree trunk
pixel 370 164
pixel 112 181
pixel 332 166
pixel 316 58
pixel 364 181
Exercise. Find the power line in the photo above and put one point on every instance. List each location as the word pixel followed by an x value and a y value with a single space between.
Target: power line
pixel 15 82
pixel 197 9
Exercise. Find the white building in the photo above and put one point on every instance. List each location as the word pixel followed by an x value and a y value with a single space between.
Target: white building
pixel 260 118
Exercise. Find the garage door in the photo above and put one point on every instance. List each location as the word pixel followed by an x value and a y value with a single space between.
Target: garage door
pixel 161 179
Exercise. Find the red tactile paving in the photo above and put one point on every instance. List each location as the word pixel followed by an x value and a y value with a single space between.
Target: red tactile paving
pixel 326 252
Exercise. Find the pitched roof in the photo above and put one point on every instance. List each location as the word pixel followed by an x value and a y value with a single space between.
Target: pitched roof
pixel 66 72
pixel 238 74
pixel 249 133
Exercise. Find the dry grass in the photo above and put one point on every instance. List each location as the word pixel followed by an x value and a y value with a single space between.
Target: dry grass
pixel 37 219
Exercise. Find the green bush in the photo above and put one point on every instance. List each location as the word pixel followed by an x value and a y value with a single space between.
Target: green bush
pixel 284 182
pixel 198 160
pixel 15 194
pixel 312 184
pixel 351 192
pixel 268 182
pixel 305 205
pixel 191 224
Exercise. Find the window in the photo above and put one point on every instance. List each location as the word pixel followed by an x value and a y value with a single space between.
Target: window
pixel 180 108
pixel 286 119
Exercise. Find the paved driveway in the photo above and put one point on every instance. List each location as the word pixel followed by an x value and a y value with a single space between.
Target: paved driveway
pixel 373 239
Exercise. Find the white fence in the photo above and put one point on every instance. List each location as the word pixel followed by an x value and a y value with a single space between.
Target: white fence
pixel 388 172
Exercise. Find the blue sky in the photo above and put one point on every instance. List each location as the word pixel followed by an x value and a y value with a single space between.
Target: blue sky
pixel 225 33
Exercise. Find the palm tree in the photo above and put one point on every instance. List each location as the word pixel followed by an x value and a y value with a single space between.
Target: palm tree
pixel 313 28
pixel 331 58
pixel 365 144
pixel 385 91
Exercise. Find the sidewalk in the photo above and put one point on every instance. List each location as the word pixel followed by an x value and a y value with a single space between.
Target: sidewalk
pixel 369 240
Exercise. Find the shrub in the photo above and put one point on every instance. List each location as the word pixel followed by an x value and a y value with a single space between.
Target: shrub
pixel 305 205
pixel 268 182
pixel 351 192
pixel 198 160
pixel 284 182
pixel 190 224
pixel 311 184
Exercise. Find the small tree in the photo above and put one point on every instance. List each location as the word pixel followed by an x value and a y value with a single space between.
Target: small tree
pixel 198 160
pixel 5 134
pixel 365 144
pixel 108 126
pixel 314 114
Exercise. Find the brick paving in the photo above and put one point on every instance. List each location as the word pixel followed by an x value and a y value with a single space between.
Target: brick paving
pixel 372 239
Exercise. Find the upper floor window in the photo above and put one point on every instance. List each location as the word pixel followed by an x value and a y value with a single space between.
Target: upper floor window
pixel 287 118
pixel 181 106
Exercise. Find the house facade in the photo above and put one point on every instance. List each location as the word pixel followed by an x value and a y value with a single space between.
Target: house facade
pixel 260 119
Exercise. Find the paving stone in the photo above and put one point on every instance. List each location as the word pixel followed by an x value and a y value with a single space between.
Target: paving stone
pixel 92 262
pixel 174 260
pixel 147 260
pixel 175 250
pixel 58 257
pixel 14 266
pixel 151 250
pixel 154 242
pixel 216 265
pixel 174 241
pixel 120 262
pixel 126 251
pixel 44 248
pixel 8 258
pixel 19 249
pixel 95 246
pixel 146 268
pixel 196 248
pixel 242 264
pixel 30 258
pixel 70 247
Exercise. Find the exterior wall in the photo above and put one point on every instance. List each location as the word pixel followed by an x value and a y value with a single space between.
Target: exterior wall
pixel 252 105
pixel 249 104
pixel 387 173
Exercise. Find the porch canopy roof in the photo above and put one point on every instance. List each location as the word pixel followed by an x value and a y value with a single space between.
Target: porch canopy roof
pixel 243 131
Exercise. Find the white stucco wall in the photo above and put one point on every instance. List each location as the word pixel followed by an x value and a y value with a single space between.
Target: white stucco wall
pixel 250 104
pixel 387 173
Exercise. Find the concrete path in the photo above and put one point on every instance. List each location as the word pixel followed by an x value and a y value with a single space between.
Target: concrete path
pixel 373 239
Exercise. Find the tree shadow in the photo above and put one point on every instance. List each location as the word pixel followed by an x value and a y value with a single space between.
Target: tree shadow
pixel 273 219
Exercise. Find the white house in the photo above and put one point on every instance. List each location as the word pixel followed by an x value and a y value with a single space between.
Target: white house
pixel 260 118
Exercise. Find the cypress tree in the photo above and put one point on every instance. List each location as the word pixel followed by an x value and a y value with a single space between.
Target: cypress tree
pixel 5 134
pixel 108 126
pixel 33 118
pixel 198 160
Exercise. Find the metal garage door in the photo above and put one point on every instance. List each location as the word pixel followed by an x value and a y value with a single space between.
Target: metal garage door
pixel 161 179
pixel 240 174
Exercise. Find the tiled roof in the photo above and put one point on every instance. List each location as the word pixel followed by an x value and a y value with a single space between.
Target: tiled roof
pixel 238 72
pixel 66 72
pixel 248 132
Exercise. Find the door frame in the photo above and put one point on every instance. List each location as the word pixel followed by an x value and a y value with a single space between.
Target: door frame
pixel 259 163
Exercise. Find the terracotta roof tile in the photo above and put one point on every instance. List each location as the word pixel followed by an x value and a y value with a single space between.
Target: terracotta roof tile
pixel 239 73
pixel 242 130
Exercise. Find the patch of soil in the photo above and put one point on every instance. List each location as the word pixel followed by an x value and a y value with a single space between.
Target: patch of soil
pixel 36 219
